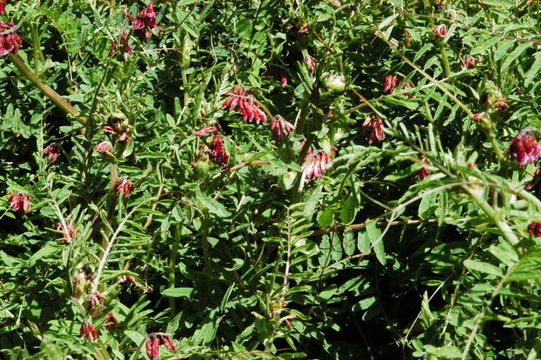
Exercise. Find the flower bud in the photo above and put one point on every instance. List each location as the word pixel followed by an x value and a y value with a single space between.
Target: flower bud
pixel 335 83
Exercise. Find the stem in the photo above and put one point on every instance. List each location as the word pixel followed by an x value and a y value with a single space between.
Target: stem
pixel 495 146
pixel 445 59
pixel 46 90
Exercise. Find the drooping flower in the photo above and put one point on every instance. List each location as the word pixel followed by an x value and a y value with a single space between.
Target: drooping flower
pixel 310 62
pixel 217 152
pixel 440 31
pixel 68 231
pixel 535 229
pixel 375 127
pixel 315 164
pixel 125 47
pixel 127 279
pixel 280 127
pixel 469 61
pixel 124 186
pixel 524 148
pixel 10 42
pixel 19 202
pixel 152 346
pixel 51 152
pixel 242 102
pixel 390 83
pixel 145 22
pixel 103 147
pixel 169 345
pixel 110 321
pixel 88 331
pixel 206 131
pixel 423 173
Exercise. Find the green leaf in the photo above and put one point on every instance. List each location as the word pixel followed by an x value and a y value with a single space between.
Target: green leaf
pixel 312 202
pixel 213 206
pixel 534 69
pixel 347 213
pixel 483 267
pixel 178 292
pixel 374 234
pixel 325 217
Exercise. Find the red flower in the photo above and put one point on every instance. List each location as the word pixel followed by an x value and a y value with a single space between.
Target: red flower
pixel 310 62
pixel 524 148
pixel 423 173
pixel 376 129
pixel 110 321
pixel 104 146
pixel 168 343
pixel 280 127
pixel 125 46
pixel 468 62
pixel 501 103
pixel 535 229
pixel 68 232
pixel 480 116
pixel 440 31
pixel 283 78
pixel 88 331
pixel 315 164
pixel 390 83
pixel 206 131
pixel 123 185
pixel 241 101
pixel 19 203
pixel 217 152
pixel 127 278
pixel 145 22
pixel 153 347
pixel 10 42
pixel 95 299
pixel 2 5
pixel 51 152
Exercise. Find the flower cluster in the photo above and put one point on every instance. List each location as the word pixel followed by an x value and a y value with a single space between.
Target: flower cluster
pixel 51 152
pixel 2 6
pixel 154 342
pixel 280 127
pixel 19 203
pixel 310 62
pixel 123 186
pixel 440 31
pixel 241 101
pixel 524 148
pixel 145 22
pixel 217 152
pixel 423 173
pixel 103 147
pixel 535 229
pixel 10 42
pixel 390 83
pixel 375 127
pixel 88 331
pixel 110 321
pixel 125 47
pixel 95 299
pixel 315 164
pixel 468 62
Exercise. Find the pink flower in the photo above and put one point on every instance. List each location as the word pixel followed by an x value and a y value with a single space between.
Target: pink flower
pixel 68 232
pixel 310 62
pixel 124 45
pixel 315 164
pixel 153 347
pixel 217 152
pixel 168 343
pixel 242 102
pixel 480 116
pixel 19 203
pixel 283 78
pixel 280 127
pixel 423 173
pixel 88 331
pixel 535 229
pixel 524 148
pixel 440 31
pixel 51 152
pixel 206 131
pixel 145 22
pixel 376 129
pixel 127 279
pixel 390 83
pixel 110 321
pixel 124 186
pixel 103 147
pixel 10 42
pixel 468 62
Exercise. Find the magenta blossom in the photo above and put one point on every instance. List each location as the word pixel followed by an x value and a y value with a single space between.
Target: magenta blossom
pixel 423 173
pixel 51 152
pixel 103 147
pixel 280 127
pixel 217 152
pixel 10 42
pixel 535 229
pixel 123 186
pixel 206 131
pixel 468 62
pixel 315 164
pixel 524 148
pixel 68 232
pixel 19 203
pixel 390 83
pixel 88 331
pixel 440 31
pixel 110 321
pixel 242 102
pixel 2 6
pixel 125 47
pixel 145 22
pixel 310 62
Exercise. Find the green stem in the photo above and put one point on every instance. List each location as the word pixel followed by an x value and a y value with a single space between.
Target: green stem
pixel 172 264
pixel 495 146
pixel 46 90
pixel 445 59
pixel 36 48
